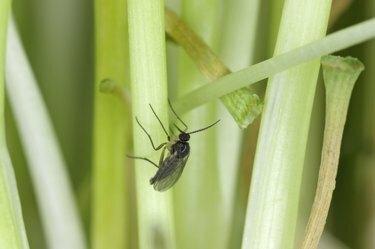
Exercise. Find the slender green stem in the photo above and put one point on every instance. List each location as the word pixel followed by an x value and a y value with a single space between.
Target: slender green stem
pixel 149 86
pixel 240 17
pixel 340 75
pixel 275 186
pixel 199 192
pixel 62 224
pixel 331 43
pixel 12 229
pixel 110 224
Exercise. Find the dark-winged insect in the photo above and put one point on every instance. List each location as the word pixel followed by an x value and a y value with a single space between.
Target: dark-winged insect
pixel 172 164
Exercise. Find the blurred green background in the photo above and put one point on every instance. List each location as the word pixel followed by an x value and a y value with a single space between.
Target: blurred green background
pixel 59 40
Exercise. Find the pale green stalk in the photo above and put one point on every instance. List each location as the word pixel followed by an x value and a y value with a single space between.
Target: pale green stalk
pixel 274 194
pixel 237 51
pixel 12 229
pixel 332 43
pixel 62 224
pixel 110 222
pixel 149 86
pixel 239 33
pixel 198 203
pixel 340 75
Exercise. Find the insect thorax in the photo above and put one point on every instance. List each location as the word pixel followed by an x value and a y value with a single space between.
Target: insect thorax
pixel 181 148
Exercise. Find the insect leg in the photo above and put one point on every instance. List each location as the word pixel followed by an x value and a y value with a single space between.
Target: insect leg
pixel 143 158
pixel 149 137
pixel 165 131
pixel 174 112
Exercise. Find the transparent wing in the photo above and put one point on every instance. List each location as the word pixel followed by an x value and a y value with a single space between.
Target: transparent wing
pixel 169 172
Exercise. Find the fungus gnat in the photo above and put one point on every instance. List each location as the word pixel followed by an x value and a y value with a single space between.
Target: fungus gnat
pixel 172 164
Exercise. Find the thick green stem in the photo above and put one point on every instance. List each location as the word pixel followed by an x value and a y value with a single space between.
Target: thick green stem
pixel 149 86
pixel 237 50
pixel 197 197
pixel 340 75
pixel 12 229
pixel 274 193
pixel 110 224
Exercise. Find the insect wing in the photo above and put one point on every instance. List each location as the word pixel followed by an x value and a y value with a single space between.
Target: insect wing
pixel 169 172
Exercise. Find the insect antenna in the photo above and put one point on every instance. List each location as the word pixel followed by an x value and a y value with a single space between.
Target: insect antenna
pixel 174 112
pixel 205 128
pixel 165 131
pixel 178 128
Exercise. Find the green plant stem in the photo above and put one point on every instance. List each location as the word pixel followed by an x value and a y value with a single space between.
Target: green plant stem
pixel 60 217
pixel 110 222
pixel 240 17
pixel 340 75
pixel 243 104
pixel 239 53
pixel 149 86
pixel 274 193
pixel 198 194
pixel 12 229
pixel 331 43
